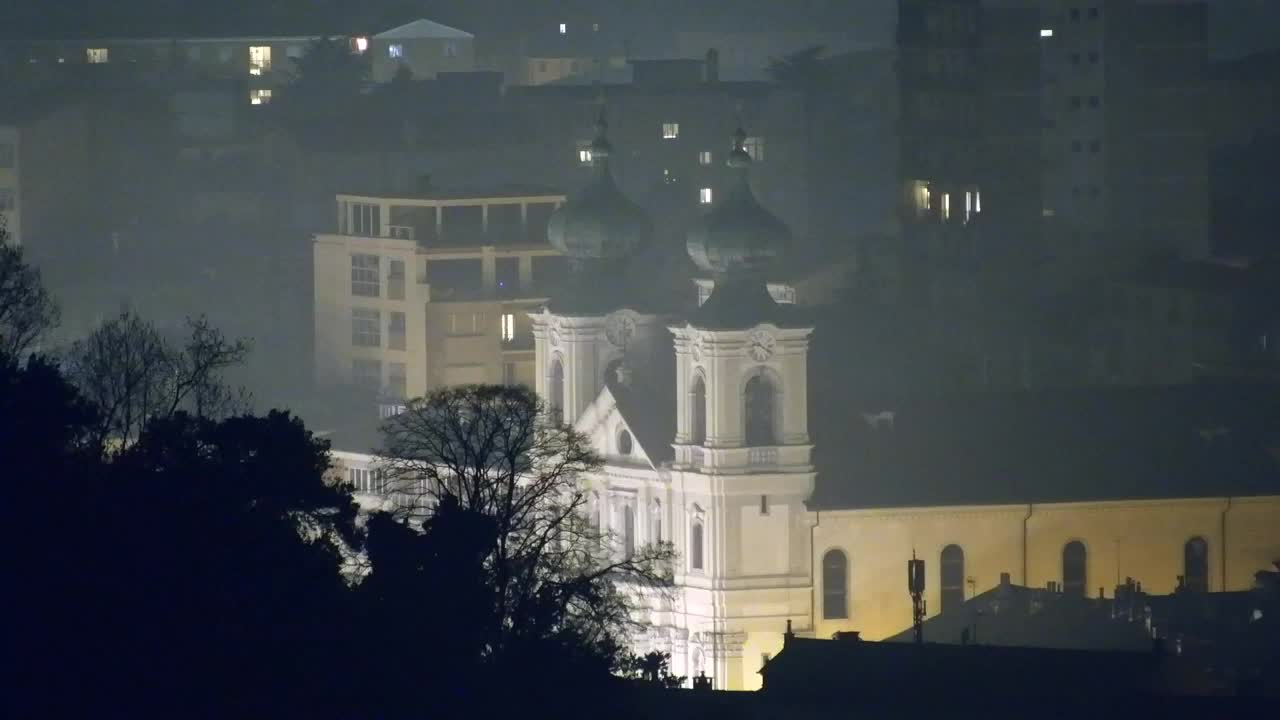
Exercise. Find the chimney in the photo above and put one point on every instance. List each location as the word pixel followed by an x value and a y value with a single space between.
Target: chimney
pixel 1004 579
pixel 788 635
pixel 711 70
pixel 847 636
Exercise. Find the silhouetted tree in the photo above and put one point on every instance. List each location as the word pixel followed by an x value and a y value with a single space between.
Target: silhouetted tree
pixel 26 309
pixel 325 83
pixel 133 374
pixel 558 585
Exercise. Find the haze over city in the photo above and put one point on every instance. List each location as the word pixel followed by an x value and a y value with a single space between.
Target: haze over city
pixel 803 358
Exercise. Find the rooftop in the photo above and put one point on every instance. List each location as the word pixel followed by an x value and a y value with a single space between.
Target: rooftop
pixel 423 28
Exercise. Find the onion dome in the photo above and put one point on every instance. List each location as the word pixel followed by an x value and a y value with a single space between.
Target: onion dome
pixel 738 242
pixel 599 225
pixel 738 236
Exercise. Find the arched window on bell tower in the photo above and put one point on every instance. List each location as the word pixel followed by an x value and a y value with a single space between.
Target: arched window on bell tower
pixel 698 411
pixel 555 391
pixel 759 402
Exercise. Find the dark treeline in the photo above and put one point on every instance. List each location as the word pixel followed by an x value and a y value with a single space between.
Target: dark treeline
pixel 199 569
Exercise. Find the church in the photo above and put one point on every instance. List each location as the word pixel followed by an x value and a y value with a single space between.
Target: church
pixel 790 505
pixel 704 419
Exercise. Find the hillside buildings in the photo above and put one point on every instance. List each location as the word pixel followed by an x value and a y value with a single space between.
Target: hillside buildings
pixel 791 503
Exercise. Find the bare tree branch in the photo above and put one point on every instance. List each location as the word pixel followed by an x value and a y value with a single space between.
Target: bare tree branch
pixel 553 572
pixel 27 311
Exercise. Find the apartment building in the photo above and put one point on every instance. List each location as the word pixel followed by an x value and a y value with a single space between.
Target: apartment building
pixel 430 289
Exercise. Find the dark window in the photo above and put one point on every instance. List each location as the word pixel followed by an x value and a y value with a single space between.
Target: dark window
pixel 395 331
pixel 1074 568
pixel 1094 101
pixel 555 392
pixel 1075 102
pixel 758 405
pixel 454 278
pixel 395 280
pixel 1093 13
pixel 1075 58
pixel 1093 57
pixel 550 271
pixel 695 545
pixel 1095 146
pixel 624 443
pixel 1075 146
pixel 506 276
pixel 698 403
pixel 835 585
pixel 1195 565
pixel 1075 14
pixel 628 531
pixel 952 578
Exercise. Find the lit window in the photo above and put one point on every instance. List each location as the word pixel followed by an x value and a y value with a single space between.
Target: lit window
pixel 704 157
pixel 564 28
pixel 366 327
pixel 395 50
pixel 704 196
pixel 755 148
pixel 364 276
pixel 259 59
pixel 508 327
pixel 360 44
pixel 259 97
pixel 920 197
pixel 584 156
pixel 595 27
pixel 946 206
pixel 977 201
pixel 670 131
pixel 1046 32
pixel 968 205
pixel 97 56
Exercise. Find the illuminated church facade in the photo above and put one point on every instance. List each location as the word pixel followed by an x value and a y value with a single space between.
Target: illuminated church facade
pixel 703 420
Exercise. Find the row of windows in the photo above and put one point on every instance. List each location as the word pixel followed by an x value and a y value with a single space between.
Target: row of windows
pixel 759 398
pixel 835 575
pixel 366 276
pixel 396 50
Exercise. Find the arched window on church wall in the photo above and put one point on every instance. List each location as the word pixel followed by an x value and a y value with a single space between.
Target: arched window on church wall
pixel 1195 565
pixel 628 531
pixel 695 545
pixel 555 391
pixel 952 585
pixel 759 407
pixel 698 414
pixel 835 585
pixel 1075 561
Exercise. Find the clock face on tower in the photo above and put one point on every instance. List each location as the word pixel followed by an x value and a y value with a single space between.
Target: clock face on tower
pixel 760 345
pixel 619 329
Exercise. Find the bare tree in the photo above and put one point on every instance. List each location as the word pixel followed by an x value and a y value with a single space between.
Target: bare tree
pixel 553 571
pixel 26 309
pixel 134 374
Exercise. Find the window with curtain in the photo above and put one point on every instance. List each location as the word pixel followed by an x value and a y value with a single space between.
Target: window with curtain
pixel 835 585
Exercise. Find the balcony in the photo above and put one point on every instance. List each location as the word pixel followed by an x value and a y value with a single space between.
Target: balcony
pixel 762 457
